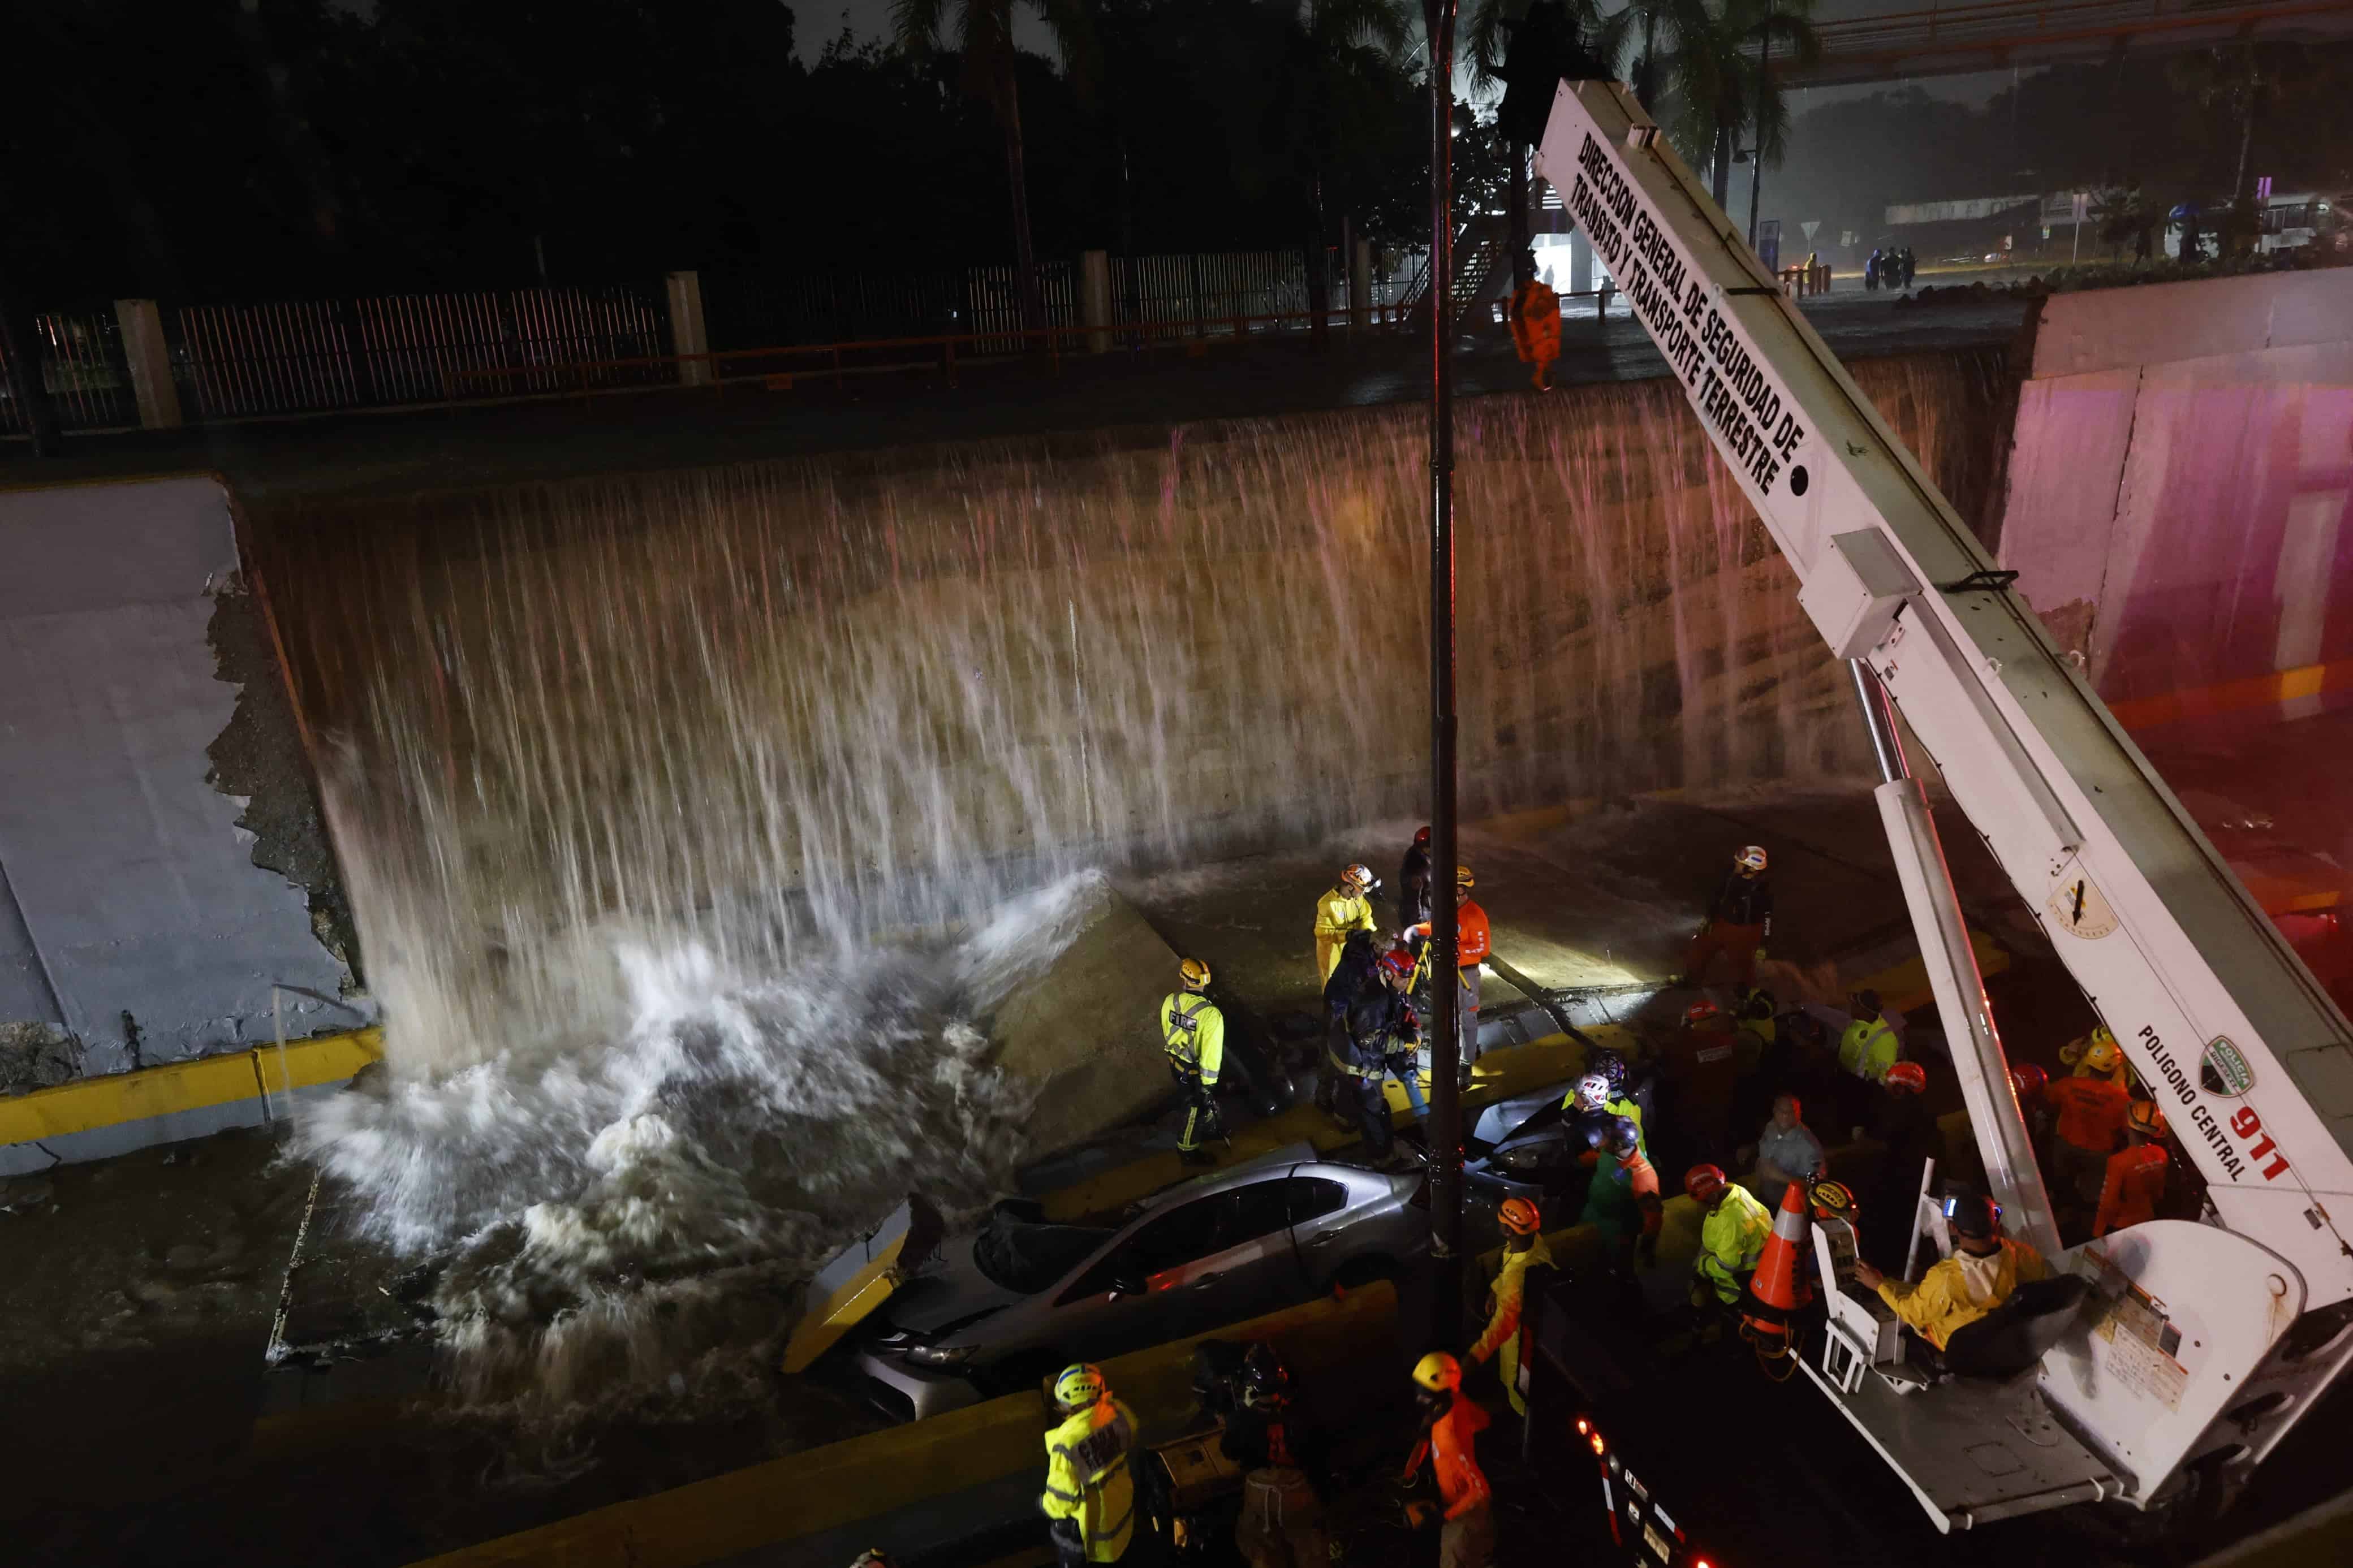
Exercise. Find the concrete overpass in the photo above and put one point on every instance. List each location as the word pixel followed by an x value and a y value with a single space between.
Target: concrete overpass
pixel 1999 35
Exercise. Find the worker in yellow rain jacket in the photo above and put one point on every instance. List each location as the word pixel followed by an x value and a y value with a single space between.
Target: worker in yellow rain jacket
pixel 1523 1248
pixel 1869 1047
pixel 1731 1238
pixel 1985 1268
pixel 1343 909
pixel 1193 1032
pixel 1090 1497
pixel 1536 320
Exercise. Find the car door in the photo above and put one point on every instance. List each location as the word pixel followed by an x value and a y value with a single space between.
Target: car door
pixel 1140 1288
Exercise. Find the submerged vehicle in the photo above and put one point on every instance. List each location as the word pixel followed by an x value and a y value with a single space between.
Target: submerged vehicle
pixel 994 1308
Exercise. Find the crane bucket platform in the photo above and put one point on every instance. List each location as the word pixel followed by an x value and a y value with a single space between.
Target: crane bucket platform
pixel 2198 1346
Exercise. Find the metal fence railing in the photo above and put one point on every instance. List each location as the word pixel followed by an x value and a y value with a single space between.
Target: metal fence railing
pixel 238 361
pixel 82 366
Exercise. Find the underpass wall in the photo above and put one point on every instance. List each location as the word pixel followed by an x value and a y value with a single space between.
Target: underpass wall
pixel 2180 486
pixel 153 795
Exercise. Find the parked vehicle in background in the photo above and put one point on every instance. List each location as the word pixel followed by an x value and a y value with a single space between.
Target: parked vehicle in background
pixel 999 1308
pixel 2298 218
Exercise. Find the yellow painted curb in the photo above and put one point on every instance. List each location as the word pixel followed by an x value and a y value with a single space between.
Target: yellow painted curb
pixel 865 1478
pixel 177 1087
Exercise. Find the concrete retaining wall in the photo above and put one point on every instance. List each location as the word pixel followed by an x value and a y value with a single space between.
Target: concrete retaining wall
pixel 2182 480
pixel 136 926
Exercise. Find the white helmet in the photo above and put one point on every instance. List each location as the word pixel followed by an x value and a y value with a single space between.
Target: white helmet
pixel 1593 1091
pixel 1751 858
pixel 1357 877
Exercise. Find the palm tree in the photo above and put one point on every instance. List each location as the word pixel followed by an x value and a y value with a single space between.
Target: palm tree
pixel 1327 45
pixel 1486 40
pixel 1706 74
pixel 1647 41
pixel 983 30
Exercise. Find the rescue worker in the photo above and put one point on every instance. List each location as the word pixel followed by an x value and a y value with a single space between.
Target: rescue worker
pixel 1379 1025
pixel 1739 921
pixel 1700 1068
pixel 1345 907
pixel 1413 883
pixel 1622 1202
pixel 1523 1248
pixel 1397 969
pixel 1598 1098
pixel 1089 1497
pixel 1473 940
pixel 1786 1151
pixel 2136 1178
pixel 1904 1125
pixel 1358 968
pixel 1731 1237
pixel 1536 320
pixel 1194 1035
pixel 1984 1269
pixel 1281 1520
pixel 2032 1084
pixel 1450 1429
pixel 2090 1112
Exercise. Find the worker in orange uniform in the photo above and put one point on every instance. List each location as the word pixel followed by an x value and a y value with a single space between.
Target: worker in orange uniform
pixel 1345 907
pixel 2090 1114
pixel 1523 1248
pixel 2136 1179
pixel 1536 320
pixel 1450 1427
pixel 1739 921
pixel 1473 940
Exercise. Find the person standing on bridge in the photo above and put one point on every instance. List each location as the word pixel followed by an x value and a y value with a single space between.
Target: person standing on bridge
pixel 1345 907
pixel 1535 319
pixel 1193 1032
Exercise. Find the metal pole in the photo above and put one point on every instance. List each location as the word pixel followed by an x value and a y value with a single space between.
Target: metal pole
pixel 1944 937
pixel 1757 153
pixel 1445 1132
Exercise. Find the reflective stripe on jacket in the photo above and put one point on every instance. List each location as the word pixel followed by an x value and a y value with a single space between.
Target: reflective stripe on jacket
pixel 1194 1033
pixel 1088 1479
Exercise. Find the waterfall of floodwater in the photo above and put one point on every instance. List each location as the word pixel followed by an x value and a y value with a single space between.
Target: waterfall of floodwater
pixel 687 817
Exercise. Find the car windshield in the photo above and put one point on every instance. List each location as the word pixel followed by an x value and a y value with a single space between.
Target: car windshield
pixel 1017 1255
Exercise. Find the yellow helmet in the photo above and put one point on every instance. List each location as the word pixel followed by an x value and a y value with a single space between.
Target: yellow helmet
pixel 1438 1372
pixel 1464 879
pixel 2102 1055
pixel 1194 972
pixel 1080 1387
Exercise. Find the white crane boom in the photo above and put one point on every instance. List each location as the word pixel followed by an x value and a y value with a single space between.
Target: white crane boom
pixel 2246 1054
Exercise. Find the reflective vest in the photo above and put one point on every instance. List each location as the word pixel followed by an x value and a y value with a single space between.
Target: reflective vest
pixel 1195 1034
pixel 1087 1477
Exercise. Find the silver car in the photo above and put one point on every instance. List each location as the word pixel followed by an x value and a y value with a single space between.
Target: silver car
pixel 1004 1306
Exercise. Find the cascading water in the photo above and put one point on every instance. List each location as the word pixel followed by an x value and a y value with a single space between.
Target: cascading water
pixel 692 822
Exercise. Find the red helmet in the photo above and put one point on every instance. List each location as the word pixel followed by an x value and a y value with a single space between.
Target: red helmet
pixel 2027 1082
pixel 1421 837
pixel 1703 1182
pixel 1908 1075
pixel 1398 960
pixel 1519 1217
pixel 1700 1012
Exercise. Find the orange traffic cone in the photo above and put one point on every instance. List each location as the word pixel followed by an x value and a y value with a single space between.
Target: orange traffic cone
pixel 1779 1287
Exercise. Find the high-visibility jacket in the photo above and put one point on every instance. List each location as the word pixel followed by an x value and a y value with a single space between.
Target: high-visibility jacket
pixel 1957 1292
pixel 1194 1033
pixel 1536 320
pixel 1337 913
pixel 1087 1477
pixel 1731 1240
pixel 1868 1048
pixel 2091 1111
pixel 1506 1306
pixel 1473 938
pixel 2134 1185
pixel 1454 1453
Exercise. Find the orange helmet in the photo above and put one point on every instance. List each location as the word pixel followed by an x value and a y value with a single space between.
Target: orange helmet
pixel 1703 1182
pixel 2145 1118
pixel 1519 1217
pixel 1909 1076
pixel 1700 1012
